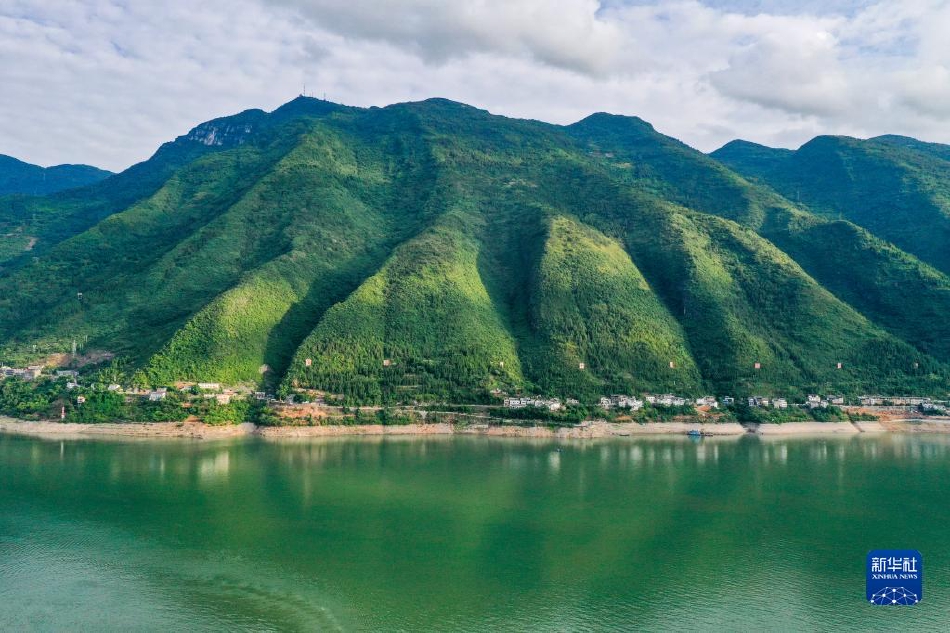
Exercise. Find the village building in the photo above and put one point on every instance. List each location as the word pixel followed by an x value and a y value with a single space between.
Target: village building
pixel 551 404
pixel 665 400
pixel 728 401
pixel 209 386
pixel 780 403
pixel 621 401
pixel 157 394
pixel 707 401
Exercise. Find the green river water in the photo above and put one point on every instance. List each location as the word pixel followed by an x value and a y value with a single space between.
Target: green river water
pixel 468 534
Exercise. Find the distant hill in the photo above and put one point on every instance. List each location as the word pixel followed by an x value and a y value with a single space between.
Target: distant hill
pixel 433 251
pixel 896 187
pixel 19 177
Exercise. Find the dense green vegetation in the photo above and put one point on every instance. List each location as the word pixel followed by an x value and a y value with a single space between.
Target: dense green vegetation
pixel 24 178
pixel 878 280
pixel 765 415
pixel 48 399
pixel 896 188
pixel 424 325
pixel 592 306
pixel 433 252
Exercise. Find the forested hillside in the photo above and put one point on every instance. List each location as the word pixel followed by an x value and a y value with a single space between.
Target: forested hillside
pixel 433 251
pixel 24 178
pixel 896 188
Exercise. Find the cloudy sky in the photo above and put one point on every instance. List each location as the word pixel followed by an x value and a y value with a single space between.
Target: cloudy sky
pixel 106 81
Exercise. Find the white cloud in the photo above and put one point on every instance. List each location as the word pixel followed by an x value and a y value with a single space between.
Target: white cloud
pixel 561 33
pixel 795 69
pixel 106 81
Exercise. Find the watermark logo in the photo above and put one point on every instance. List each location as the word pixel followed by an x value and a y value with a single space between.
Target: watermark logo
pixel 895 577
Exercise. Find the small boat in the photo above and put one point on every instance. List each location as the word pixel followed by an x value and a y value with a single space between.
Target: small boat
pixel 694 433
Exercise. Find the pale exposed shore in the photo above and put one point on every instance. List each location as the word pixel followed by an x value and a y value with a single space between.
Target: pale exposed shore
pixel 801 428
pixel 595 430
pixel 72 430
pixel 916 425
pixel 197 430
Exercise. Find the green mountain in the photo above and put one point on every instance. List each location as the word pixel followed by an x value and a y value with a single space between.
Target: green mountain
pixel 839 254
pixel 896 188
pixel 24 178
pixel 433 251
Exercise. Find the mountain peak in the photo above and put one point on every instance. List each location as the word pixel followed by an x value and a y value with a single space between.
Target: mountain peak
pixel 616 121
pixel 303 105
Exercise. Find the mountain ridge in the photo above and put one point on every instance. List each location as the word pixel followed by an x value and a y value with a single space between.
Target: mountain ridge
pixel 19 177
pixel 435 251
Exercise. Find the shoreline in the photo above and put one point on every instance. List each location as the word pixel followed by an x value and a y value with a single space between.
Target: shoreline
pixel 596 430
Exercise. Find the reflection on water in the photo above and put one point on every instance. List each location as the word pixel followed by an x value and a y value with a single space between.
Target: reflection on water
pixel 448 533
pixel 214 466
